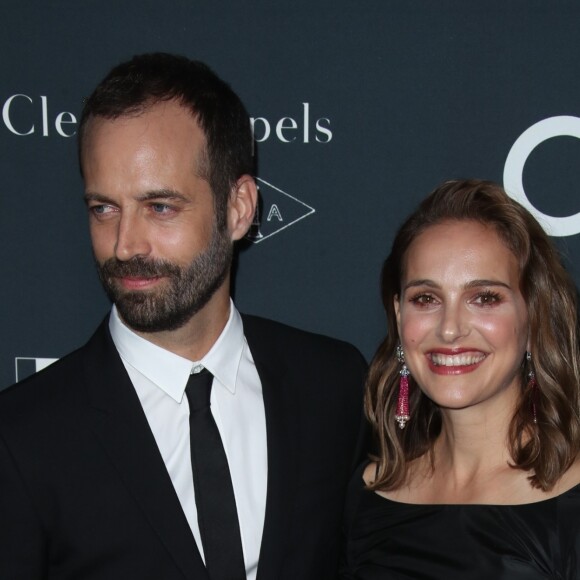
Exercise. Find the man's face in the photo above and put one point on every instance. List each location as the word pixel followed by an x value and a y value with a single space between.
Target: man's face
pixel 160 255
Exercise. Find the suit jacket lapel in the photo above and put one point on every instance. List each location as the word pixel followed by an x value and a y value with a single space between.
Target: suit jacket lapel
pixel 281 418
pixel 121 426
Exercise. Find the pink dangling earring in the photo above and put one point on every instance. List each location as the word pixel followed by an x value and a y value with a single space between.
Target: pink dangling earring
pixel 532 386
pixel 402 415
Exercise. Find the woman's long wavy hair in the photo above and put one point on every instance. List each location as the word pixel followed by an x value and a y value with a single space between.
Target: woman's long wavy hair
pixel 545 449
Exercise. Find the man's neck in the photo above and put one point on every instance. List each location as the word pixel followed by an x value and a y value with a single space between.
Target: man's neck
pixel 196 337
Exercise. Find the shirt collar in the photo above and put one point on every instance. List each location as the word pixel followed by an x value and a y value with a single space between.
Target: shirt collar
pixel 170 371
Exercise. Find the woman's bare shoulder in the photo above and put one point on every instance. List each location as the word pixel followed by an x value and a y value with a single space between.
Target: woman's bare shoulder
pixel 370 473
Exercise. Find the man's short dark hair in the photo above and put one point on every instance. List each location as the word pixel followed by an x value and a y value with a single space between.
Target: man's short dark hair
pixel 147 79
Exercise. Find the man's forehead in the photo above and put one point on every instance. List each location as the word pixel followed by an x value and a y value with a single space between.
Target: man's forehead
pixel 166 128
pixel 164 111
pixel 163 125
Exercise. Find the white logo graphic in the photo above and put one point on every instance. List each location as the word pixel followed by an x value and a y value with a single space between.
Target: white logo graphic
pixel 302 128
pixel 26 366
pixel 26 106
pixel 277 211
pixel 563 126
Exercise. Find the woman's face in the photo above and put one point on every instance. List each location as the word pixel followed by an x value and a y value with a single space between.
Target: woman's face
pixel 461 316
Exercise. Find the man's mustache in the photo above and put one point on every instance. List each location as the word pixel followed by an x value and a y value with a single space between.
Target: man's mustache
pixel 138 268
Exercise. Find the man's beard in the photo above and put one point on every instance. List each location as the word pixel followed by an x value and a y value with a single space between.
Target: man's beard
pixel 186 289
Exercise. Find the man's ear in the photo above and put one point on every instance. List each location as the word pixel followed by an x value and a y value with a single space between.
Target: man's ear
pixel 242 206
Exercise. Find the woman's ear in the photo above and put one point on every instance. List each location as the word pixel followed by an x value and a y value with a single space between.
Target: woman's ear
pixel 397 306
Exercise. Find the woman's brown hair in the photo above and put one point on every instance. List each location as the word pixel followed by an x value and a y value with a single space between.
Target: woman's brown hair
pixel 547 448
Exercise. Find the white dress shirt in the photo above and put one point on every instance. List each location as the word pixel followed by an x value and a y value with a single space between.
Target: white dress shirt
pixel 160 376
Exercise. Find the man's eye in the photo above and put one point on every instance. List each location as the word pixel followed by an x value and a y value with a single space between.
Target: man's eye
pixel 160 208
pixel 100 209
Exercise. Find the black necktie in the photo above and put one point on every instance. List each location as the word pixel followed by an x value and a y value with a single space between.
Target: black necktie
pixel 214 493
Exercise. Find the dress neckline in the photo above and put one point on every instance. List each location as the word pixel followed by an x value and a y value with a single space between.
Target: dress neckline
pixel 571 490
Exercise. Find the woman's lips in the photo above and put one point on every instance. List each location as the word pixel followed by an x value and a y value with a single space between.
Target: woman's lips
pixel 454 362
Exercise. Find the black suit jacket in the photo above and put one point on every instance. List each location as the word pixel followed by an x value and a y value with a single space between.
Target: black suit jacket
pixel 84 493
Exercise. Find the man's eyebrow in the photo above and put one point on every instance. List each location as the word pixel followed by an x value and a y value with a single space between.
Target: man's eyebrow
pixel 155 194
pixel 161 194
pixel 93 196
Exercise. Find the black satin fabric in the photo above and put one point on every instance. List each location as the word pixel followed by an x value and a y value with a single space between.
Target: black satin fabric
pixel 387 540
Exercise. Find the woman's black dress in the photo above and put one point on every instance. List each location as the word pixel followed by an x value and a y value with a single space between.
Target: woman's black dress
pixel 389 540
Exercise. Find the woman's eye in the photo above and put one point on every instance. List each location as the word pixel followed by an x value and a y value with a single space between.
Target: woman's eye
pixel 423 299
pixel 487 298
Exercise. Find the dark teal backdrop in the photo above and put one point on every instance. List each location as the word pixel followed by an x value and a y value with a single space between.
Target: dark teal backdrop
pixel 360 109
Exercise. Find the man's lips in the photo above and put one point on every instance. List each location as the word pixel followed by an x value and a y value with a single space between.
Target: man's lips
pixel 454 362
pixel 137 282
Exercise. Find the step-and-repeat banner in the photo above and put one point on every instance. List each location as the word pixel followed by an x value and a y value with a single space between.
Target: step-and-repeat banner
pixel 359 110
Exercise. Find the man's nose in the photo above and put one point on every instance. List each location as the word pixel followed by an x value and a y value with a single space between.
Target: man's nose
pixel 132 238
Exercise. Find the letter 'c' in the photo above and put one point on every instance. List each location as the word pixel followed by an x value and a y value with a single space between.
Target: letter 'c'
pixel 6 116
pixel 514 168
